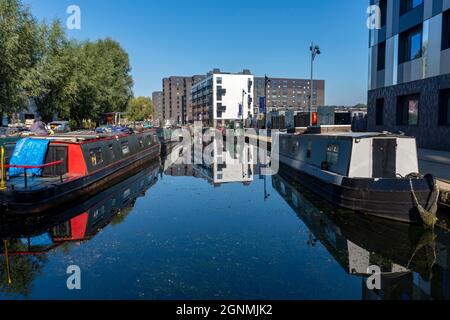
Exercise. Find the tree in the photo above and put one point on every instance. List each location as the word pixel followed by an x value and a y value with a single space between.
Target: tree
pixel 18 54
pixel 140 109
pixel 23 270
pixel 72 80
pixel 47 81
pixel 101 81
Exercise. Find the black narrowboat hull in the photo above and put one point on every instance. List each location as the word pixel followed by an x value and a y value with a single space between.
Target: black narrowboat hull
pixel 386 198
pixel 33 202
pixel 16 227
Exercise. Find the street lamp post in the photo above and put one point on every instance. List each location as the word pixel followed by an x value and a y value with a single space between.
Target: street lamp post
pixel 266 84
pixel 242 108
pixel 315 51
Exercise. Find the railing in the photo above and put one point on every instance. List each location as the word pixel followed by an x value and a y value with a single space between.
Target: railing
pixel 2 169
pixel 25 168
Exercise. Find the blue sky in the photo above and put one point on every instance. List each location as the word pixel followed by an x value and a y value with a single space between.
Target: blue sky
pixel 182 37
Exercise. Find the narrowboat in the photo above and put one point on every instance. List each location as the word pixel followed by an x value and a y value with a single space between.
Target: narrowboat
pixel 370 173
pixel 44 173
pixel 95 213
pixel 82 222
pixel 357 242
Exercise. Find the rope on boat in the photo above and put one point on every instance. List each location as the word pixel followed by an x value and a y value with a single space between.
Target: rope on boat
pixel 427 214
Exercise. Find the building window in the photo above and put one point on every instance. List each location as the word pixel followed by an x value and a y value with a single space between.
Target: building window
pixel 408 5
pixel 411 45
pixel 381 56
pixel 219 80
pixel 444 108
pixel 379 111
pixel 333 154
pixel 408 110
pixel 383 10
pixel 220 92
pixel 446 30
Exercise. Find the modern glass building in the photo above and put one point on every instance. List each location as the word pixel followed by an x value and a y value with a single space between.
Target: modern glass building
pixel 409 71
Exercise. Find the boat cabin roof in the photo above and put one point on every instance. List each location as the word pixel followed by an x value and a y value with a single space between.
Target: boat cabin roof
pixel 82 136
pixel 359 135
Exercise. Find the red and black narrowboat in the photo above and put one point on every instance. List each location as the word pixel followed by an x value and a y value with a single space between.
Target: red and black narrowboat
pixel 73 167
pixel 82 222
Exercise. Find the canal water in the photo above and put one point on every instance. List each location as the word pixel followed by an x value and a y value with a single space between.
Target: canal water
pixel 189 232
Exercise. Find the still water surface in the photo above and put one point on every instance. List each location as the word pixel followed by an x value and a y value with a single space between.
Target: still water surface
pixel 176 232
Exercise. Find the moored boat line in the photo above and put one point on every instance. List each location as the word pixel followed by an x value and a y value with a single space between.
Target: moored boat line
pixel 370 173
pixel 71 167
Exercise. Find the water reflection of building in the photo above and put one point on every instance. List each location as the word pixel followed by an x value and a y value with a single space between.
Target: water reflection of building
pixel 230 164
pixel 414 261
pixel 26 242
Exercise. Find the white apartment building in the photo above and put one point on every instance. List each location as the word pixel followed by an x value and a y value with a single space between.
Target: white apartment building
pixel 223 99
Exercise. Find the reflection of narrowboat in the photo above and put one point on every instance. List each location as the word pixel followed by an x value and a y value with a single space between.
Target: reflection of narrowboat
pixel 371 173
pixel 81 222
pixel 168 140
pixel 402 251
pixel 45 173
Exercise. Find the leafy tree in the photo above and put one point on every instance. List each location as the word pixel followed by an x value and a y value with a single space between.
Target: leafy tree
pixel 76 81
pixel 140 109
pixel 101 81
pixel 47 81
pixel 18 53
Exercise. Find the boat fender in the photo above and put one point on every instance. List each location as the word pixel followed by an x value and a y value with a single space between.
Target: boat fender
pixel 427 214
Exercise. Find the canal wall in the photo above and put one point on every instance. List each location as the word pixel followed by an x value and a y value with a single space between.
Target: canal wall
pixel 434 162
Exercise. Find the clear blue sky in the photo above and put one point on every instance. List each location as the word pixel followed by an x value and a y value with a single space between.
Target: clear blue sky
pixel 186 37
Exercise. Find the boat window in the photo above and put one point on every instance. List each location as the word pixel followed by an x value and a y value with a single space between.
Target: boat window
pixel 96 156
pixel 309 150
pixel 295 147
pixel 333 154
pixel 111 152
pixel 141 142
pixel 125 148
